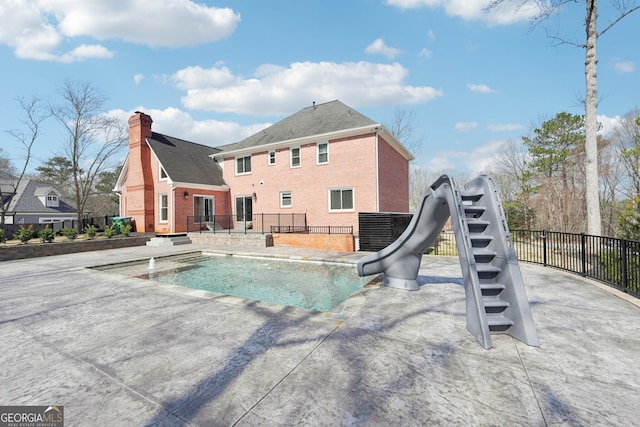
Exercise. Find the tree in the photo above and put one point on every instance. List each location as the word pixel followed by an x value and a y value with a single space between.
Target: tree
pixel 403 129
pixel 622 9
pixel 514 176
pixel 555 151
pixel 103 201
pixel 34 116
pixel 57 170
pixel 93 137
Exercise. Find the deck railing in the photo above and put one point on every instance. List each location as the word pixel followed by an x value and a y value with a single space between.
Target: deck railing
pixel 261 224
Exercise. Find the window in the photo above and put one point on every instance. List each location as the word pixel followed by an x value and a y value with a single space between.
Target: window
pixel 163 173
pixel 164 208
pixel 53 201
pixel 323 152
pixel 244 208
pixel 295 157
pixel 243 165
pixel 203 208
pixel 341 199
pixel 285 199
pixel 272 157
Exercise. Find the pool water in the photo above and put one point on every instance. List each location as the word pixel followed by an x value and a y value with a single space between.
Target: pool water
pixel 304 284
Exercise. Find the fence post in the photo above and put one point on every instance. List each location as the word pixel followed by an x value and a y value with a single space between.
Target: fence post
pixel 583 243
pixel 623 261
pixel 544 247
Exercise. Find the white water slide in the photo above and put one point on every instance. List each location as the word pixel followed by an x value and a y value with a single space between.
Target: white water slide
pixel 496 301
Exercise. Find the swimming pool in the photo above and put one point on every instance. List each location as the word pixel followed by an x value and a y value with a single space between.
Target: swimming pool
pixel 311 285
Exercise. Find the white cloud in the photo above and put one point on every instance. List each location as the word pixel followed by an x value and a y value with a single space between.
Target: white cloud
pixel 479 88
pixel 608 124
pixel 505 127
pixel 138 78
pixel 425 52
pixel 84 51
pixel 175 122
pixel 476 10
pixel 37 29
pixel 473 161
pixel 276 90
pixel 466 126
pixel 378 46
pixel 624 66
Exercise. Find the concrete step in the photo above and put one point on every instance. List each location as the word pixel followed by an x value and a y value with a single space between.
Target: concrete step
pixel 169 240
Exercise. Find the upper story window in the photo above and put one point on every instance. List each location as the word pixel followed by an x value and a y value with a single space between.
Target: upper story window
pixel 53 201
pixel 322 150
pixel 243 165
pixel 272 157
pixel 163 173
pixel 295 157
pixel 341 199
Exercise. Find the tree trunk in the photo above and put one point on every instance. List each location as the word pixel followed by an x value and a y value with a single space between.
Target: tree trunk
pixel 591 122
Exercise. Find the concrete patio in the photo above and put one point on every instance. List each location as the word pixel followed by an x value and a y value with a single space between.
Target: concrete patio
pixel 118 351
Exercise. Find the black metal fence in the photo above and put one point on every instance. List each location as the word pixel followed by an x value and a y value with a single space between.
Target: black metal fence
pixel 613 261
pixel 263 223
pixel 606 259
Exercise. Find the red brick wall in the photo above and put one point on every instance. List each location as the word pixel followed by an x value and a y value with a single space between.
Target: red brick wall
pixel 352 163
pixel 394 179
pixel 137 196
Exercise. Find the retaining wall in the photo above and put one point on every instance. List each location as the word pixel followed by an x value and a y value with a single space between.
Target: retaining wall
pixel 35 250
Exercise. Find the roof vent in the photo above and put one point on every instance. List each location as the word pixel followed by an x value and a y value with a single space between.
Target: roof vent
pixel 314 105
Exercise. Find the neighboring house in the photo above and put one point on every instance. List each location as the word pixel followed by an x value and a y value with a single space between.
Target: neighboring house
pixel 327 161
pixel 35 203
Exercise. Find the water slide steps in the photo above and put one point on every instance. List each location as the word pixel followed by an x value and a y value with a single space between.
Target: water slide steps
pixel 504 303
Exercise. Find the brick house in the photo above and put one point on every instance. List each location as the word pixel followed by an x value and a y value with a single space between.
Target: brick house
pixel 326 161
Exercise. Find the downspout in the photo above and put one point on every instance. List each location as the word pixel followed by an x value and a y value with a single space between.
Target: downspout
pixel 172 210
pixel 377 172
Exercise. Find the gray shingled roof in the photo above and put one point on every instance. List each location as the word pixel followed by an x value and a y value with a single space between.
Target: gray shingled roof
pixel 185 161
pixel 27 201
pixel 320 119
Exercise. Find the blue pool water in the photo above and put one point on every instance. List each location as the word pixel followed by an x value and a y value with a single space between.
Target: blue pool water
pixel 305 284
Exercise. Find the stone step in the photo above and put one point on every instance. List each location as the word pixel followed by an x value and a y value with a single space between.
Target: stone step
pixel 169 240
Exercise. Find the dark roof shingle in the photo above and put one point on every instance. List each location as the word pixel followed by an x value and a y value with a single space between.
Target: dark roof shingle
pixel 318 119
pixel 185 161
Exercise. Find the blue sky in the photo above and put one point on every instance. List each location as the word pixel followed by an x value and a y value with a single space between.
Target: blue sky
pixel 217 72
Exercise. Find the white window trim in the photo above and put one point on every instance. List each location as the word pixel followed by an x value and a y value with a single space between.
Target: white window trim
pixel 318 162
pixel 52 201
pixel 353 199
pixel 269 162
pixel 291 165
pixel 160 170
pixel 160 208
pixel 236 165
pixel 282 205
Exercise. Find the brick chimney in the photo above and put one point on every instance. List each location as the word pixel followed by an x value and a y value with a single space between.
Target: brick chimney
pixel 139 187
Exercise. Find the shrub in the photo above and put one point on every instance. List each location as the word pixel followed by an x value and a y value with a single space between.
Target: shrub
pixel 46 234
pixel 126 229
pixel 90 231
pixel 70 233
pixel 24 234
pixel 3 237
pixel 109 231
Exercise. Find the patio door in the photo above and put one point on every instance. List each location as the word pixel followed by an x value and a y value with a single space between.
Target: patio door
pixel 204 208
pixel 244 208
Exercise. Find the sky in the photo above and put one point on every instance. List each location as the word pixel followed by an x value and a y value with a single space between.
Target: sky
pixel 215 72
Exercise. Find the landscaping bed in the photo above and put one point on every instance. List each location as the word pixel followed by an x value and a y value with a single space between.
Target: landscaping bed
pixel 14 249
